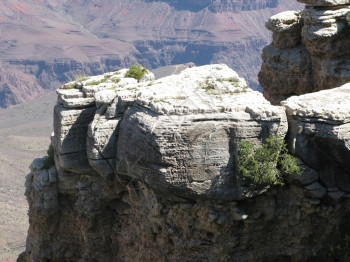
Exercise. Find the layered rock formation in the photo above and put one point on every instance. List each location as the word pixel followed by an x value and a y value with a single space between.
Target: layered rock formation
pixel 147 172
pixel 310 50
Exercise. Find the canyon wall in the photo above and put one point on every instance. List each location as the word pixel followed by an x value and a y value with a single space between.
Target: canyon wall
pixel 147 171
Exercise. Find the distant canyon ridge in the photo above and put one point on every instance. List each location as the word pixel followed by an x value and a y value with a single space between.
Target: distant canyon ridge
pixel 47 42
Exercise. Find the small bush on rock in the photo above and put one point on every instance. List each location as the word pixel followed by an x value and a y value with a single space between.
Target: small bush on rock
pixel 348 18
pixel 137 72
pixel 266 165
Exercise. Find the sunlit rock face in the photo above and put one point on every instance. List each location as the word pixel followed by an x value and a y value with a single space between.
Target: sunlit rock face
pixel 147 171
pixel 310 50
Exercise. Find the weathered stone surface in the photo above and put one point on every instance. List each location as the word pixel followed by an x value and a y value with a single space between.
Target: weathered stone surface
pixel 70 132
pixel 307 177
pixel 189 155
pixel 319 125
pixel 315 190
pixel 103 220
pixel 320 60
pixel 181 133
pixel 148 174
pixel 326 31
pixel 285 73
pixel 286 28
pixel 74 98
pixel 41 189
pixel 178 133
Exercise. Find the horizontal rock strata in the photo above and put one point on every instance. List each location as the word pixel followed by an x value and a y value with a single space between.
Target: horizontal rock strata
pixel 310 50
pixel 146 171
pixel 320 134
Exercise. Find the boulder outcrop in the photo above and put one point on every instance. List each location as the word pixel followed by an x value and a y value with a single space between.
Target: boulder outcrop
pixel 146 171
pixel 320 136
pixel 177 134
pixel 310 50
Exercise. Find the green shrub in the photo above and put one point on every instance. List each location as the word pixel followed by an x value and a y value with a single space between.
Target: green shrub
pixel 93 83
pixel 50 160
pixel 116 80
pixel 137 72
pixel 81 78
pixel 340 250
pixel 267 164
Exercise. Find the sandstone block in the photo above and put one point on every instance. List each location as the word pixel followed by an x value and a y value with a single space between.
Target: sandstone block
pixel 319 61
pixel 286 28
pixel 326 31
pixel 319 134
pixel 285 73
pixel 181 135
pixel 70 133
pixel 315 190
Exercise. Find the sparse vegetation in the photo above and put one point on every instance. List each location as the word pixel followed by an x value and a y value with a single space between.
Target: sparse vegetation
pixel 50 160
pixel 266 165
pixel 93 83
pixel 348 18
pixel 339 250
pixel 136 72
pixel 179 97
pixel 209 87
pixel 220 86
pixel 233 79
pixel 115 80
pixel 69 86
pixel 80 78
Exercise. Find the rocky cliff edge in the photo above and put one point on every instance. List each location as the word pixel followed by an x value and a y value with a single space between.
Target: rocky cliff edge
pixel 145 171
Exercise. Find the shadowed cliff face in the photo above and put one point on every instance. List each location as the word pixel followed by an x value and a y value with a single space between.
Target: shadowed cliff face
pixel 110 35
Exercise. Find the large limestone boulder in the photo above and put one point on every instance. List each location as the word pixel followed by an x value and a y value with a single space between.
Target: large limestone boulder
pixel 78 105
pixel 319 134
pixel 181 135
pixel 326 31
pixel 286 28
pixel 178 134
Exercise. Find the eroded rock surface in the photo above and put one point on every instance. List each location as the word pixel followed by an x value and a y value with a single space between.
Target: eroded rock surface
pixel 310 50
pixel 319 127
pixel 179 133
pixel 147 172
